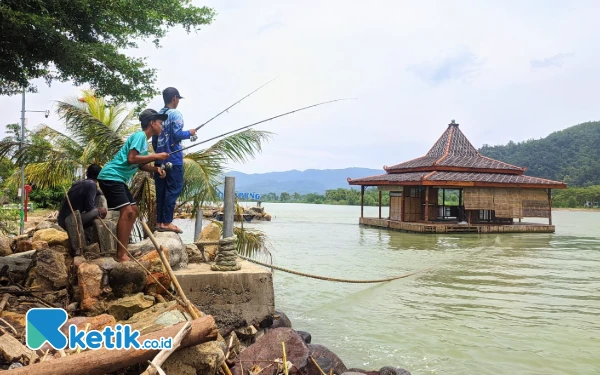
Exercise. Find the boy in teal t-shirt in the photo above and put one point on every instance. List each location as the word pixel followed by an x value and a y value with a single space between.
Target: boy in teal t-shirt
pixel 116 174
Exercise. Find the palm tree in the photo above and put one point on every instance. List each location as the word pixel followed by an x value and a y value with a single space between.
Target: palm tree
pixel 95 131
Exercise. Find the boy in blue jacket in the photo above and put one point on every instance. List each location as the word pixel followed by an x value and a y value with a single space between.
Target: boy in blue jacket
pixel 169 140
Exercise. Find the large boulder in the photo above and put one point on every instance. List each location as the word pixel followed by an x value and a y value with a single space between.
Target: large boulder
pixel 203 359
pixel 159 316
pixel 5 246
pixel 50 271
pixel 23 246
pixel 175 248
pixel 127 278
pixel 268 348
pixel 327 360
pixel 125 307
pixel 211 232
pixel 52 237
pixel 89 279
pixel 389 370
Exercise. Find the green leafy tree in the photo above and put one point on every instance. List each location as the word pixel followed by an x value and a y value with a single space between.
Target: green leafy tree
pixel 84 40
pixel 570 155
pixel 284 197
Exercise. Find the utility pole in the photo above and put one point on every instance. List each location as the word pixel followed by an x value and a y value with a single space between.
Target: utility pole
pixel 22 230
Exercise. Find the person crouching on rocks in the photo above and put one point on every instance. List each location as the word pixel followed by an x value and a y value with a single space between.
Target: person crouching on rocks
pixel 116 174
pixel 82 198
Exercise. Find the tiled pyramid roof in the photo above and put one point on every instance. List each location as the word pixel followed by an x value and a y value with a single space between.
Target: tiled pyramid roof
pixel 453 160
pixel 453 149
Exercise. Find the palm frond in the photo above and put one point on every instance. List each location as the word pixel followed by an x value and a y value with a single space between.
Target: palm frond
pixel 87 129
pixel 240 147
pixel 251 243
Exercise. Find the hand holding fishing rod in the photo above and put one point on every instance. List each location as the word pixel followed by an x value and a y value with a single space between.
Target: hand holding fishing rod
pixel 194 137
pixel 253 124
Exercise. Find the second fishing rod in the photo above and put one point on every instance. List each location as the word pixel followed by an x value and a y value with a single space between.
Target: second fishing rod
pixel 245 127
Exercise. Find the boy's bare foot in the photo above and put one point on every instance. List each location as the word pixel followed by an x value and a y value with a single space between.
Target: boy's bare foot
pixel 124 258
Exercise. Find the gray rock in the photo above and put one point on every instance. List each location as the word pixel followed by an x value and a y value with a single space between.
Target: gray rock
pixel 174 246
pixel 75 232
pixel 305 336
pixel 102 236
pixel 127 278
pixel 281 320
pixel 107 264
pixel 47 225
pixel 326 359
pixel 389 370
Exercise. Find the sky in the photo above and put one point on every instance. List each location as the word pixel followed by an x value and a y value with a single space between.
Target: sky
pixel 504 70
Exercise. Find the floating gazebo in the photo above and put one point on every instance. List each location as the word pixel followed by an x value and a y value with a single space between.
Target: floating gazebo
pixel 453 188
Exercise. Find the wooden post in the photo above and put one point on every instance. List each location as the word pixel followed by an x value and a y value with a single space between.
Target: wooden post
pixel 380 204
pixel 362 200
pixel 443 204
pixel 549 206
pixel 402 208
pixel 198 226
pixel 228 207
pixel 426 204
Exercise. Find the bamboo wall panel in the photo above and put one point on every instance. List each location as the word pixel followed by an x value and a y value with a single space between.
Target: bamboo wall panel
pixel 478 198
pixel 508 203
pixel 395 208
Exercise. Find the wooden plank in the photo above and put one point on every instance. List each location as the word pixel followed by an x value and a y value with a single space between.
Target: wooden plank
pixel 380 204
pixel 104 361
pixel 362 200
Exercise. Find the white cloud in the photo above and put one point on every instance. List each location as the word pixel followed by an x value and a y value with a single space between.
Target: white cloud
pixel 556 60
pixel 412 65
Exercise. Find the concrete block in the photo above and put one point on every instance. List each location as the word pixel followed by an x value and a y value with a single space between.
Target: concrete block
pixel 231 297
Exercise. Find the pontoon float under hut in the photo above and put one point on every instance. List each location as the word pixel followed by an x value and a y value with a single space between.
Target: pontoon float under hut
pixel 453 188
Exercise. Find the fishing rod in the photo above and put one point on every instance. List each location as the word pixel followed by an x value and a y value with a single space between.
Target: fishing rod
pixel 226 109
pixel 246 127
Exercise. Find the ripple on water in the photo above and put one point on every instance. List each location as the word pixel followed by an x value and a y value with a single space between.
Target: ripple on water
pixel 490 304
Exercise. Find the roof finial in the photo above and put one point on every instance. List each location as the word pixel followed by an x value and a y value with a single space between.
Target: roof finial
pixel 453 123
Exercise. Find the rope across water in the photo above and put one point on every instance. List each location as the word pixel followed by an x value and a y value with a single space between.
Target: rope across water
pixel 333 279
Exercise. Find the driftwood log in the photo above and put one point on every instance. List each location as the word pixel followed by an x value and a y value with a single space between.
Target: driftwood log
pixel 103 361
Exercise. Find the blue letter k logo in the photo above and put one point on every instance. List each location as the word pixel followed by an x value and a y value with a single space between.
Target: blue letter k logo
pixel 44 325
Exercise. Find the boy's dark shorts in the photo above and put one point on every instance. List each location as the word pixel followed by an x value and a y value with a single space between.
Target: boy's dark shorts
pixel 117 194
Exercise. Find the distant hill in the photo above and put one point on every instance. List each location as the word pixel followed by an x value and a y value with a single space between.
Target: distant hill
pixel 302 182
pixel 571 155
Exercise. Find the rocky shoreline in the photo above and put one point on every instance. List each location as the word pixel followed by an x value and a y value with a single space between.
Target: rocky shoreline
pixel 39 269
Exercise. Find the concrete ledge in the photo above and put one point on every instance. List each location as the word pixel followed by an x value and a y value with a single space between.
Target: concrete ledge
pixel 231 297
